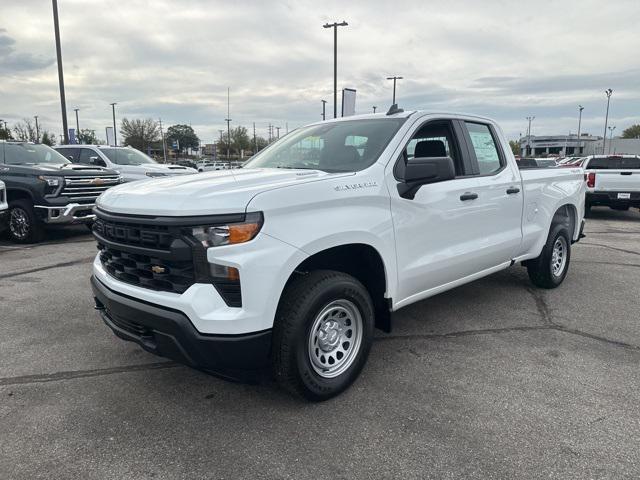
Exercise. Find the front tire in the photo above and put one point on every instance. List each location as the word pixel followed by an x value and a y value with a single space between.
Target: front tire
pixel 551 267
pixel 322 334
pixel 24 224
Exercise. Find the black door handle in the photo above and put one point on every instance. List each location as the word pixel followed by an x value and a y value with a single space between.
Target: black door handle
pixel 512 190
pixel 468 196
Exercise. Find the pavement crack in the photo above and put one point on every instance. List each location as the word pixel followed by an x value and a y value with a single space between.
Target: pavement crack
pixel 48 267
pixel 465 333
pixel 541 306
pixel 69 375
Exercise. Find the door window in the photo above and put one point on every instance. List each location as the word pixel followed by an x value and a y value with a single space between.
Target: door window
pixel 435 140
pixel 69 153
pixel 85 155
pixel 485 148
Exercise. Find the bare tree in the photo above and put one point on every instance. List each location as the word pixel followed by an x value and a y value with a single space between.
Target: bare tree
pixel 140 133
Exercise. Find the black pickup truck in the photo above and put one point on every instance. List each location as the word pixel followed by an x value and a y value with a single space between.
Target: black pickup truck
pixel 45 189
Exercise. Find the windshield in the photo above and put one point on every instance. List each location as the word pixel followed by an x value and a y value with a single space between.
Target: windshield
pixel 31 154
pixel 126 156
pixel 347 146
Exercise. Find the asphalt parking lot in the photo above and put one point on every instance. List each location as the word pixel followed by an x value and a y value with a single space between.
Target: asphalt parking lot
pixel 494 379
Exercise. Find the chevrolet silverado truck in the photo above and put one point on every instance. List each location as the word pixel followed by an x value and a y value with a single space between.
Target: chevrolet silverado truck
pixel 44 189
pixel 289 263
pixel 4 207
pixel 612 181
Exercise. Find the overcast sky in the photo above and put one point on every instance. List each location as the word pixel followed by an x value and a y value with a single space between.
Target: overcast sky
pixel 175 59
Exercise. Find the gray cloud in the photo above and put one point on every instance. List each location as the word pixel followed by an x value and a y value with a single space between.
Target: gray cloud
pixel 176 60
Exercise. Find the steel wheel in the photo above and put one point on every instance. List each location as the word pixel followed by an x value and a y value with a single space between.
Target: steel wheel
pixel 335 338
pixel 559 256
pixel 19 223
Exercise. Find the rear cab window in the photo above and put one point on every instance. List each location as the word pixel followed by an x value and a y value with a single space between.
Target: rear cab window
pixel 614 163
pixel 485 148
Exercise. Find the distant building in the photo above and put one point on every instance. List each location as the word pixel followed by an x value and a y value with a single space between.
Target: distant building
pixel 628 146
pixel 209 149
pixel 562 145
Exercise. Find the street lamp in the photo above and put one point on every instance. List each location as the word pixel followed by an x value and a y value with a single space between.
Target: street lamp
pixel 335 26
pixel 530 119
pixel 63 102
pixel 394 87
pixel 324 104
pixel 115 135
pixel 580 108
pixel 228 120
pixel 611 129
pixel 77 122
pixel 608 93
pixel 278 135
pixel 374 109
pixel 37 130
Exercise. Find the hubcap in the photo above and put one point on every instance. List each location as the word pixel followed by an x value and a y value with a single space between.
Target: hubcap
pixel 559 256
pixel 19 223
pixel 335 338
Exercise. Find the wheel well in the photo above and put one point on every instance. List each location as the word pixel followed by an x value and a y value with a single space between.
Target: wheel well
pixel 13 195
pixel 360 261
pixel 566 215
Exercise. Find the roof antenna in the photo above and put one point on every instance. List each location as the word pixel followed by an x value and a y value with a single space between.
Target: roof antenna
pixel 394 109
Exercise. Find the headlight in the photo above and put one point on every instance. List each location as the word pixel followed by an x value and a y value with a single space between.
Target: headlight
pixel 233 233
pixel 50 181
pixel 156 174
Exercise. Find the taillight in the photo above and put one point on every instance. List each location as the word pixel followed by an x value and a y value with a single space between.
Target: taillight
pixel 591 180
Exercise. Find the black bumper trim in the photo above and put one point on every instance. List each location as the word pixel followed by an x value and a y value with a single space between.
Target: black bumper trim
pixel 611 199
pixel 169 333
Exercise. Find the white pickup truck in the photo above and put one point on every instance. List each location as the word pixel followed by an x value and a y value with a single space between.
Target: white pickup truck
pixel 613 181
pixel 290 262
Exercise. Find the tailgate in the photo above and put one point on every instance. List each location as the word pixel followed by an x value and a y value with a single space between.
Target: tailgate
pixel 617 180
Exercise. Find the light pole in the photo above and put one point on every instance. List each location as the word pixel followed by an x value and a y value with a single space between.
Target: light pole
pixel 278 135
pixel 611 129
pixel 335 26
pixel 394 87
pixel 228 120
pixel 115 135
pixel 374 109
pixel 608 93
pixel 63 102
pixel 37 130
pixel 324 104
pixel 530 119
pixel 164 143
pixel 580 108
pixel 77 122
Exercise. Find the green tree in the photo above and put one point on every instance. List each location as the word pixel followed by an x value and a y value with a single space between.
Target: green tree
pixel 48 138
pixel 139 133
pixel 88 137
pixel 632 132
pixel 184 135
pixel 515 147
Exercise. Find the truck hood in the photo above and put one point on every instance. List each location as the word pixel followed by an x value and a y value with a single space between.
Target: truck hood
pixel 163 167
pixel 68 169
pixel 211 193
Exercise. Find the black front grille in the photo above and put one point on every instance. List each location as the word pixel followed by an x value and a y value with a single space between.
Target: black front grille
pixel 157 237
pixel 146 270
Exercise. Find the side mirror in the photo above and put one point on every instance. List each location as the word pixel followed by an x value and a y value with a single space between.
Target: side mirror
pixel 97 161
pixel 422 171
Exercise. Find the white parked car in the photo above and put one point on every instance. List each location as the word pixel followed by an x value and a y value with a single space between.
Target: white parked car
pixel 289 263
pixel 208 166
pixel 131 163
pixel 4 207
pixel 613 181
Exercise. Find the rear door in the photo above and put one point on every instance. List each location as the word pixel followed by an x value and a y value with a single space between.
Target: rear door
pixel 500 196
pixel 616 174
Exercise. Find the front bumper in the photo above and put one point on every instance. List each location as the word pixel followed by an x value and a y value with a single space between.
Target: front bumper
pixel 611 199
pixel 169 333
pixel 67 214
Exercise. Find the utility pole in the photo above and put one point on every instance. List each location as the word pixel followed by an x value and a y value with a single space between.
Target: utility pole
pixel 220 142
pixel 374 109
pixel 324 104
pixel 115 135
pixel 63 102
pixel 77 122
pixel 164 144
pixel 255 139
pixel 37 130
pixel 608 93
pixel 335 26
pixel 278 129
pixel 530 119
pixel 228 120
pixel 394 87
pixel 611 129
pixel 580 108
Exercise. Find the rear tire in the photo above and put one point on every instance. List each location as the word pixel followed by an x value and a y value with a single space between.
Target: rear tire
pixel 551 267
pixel 24 224
pixel 322 334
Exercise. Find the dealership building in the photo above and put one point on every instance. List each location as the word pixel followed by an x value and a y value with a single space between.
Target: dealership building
pixel 570 145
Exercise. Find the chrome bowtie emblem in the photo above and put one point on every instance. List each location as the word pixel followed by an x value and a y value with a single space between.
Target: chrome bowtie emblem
pixel 158 269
